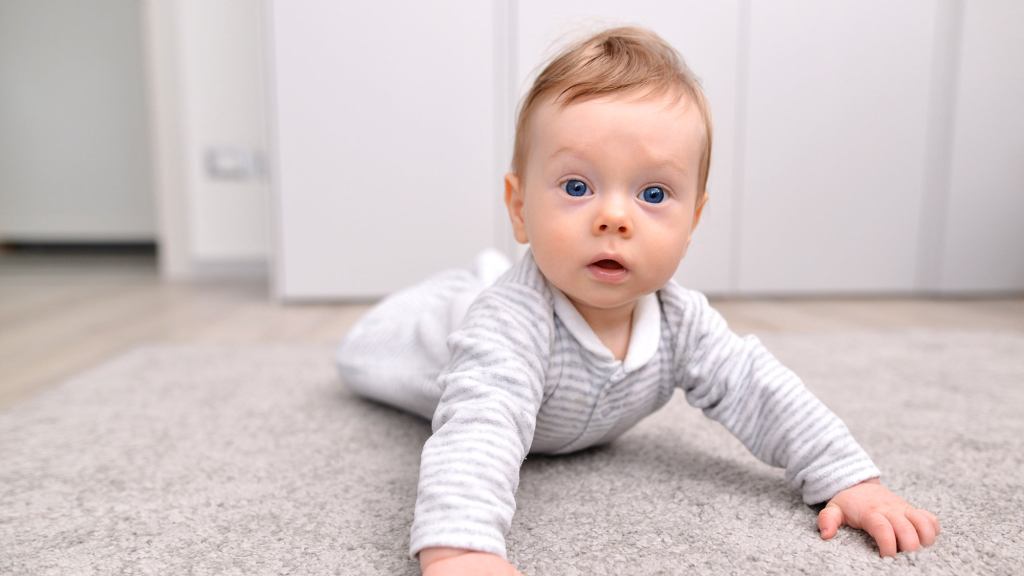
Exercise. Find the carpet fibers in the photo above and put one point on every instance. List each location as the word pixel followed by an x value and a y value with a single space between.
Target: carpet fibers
pixel 255 460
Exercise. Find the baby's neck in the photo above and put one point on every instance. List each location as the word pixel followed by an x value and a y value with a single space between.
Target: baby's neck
pixel 613 326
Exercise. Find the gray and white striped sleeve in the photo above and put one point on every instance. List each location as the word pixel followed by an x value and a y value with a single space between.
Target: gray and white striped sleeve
pixel 483 427
pixel 737 382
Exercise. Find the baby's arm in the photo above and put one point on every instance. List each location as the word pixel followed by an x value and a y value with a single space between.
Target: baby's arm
pixel 483 427
pixel 737 382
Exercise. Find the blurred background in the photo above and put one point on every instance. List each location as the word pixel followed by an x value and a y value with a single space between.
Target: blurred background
pixel 343 150
pixel 165 163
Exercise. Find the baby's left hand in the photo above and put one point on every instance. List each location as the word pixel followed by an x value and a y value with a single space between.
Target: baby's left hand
pixel 888 518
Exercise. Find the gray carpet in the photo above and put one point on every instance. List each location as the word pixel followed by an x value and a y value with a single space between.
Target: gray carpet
pixel 254 460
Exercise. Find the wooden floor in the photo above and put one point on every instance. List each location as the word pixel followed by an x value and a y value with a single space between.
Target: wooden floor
pixel 62 314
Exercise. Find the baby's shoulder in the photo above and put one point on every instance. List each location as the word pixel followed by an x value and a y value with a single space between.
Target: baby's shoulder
pixel 679 302
pixel 688 315
pixel 520 295
pixel 517 298
pixel 514 317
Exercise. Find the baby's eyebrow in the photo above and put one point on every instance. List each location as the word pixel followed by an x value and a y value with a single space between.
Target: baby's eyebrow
pixel 567 151
pixel 670 164
pixel 655 162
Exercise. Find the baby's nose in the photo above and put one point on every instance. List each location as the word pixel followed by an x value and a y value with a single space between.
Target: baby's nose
pixel 621 227
pixel 614 219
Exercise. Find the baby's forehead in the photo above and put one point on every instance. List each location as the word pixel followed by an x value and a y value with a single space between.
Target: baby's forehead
pixel 662 120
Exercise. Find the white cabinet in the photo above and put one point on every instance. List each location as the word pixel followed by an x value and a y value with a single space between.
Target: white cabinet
pixel 860 147
pixel 837 110
pixel 983 245
pixel 386 121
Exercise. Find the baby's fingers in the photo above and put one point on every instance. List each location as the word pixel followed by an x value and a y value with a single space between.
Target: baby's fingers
pixel 926 527
pixel 906 533
pixel 935 521
pixel 879 527
pixel 829 520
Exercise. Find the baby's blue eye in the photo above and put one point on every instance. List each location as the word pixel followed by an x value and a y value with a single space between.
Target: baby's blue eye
pixel 654 194
pixel 575 187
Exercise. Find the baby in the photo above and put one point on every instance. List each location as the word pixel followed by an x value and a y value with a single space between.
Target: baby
pixel 588 333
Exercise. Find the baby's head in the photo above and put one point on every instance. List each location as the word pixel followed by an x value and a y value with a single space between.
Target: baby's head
pixel 609 171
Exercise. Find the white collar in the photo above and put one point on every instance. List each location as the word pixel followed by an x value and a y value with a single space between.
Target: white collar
pixel 643 339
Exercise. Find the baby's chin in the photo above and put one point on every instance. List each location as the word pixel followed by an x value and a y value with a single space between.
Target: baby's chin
pixel 603 300
pixel 593 294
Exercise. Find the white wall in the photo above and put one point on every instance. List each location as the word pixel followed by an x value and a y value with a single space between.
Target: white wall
pixel 225 100
pixel 208 95
pixel 74 164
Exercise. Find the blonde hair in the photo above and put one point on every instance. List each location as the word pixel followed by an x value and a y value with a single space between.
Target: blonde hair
pixel 616 60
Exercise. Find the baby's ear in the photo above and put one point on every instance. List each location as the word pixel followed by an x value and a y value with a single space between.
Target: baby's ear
pixel 701 203
pixel 514 203
pixel 698 210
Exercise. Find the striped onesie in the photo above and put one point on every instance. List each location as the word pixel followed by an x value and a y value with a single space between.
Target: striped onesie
pixel 511 368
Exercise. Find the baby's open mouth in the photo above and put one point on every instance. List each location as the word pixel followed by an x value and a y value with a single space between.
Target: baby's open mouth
pixel 608 270
pixel 608 264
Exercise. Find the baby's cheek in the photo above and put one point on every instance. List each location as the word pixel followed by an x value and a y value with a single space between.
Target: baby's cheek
pixel 552 234
pixel 565 238
pixel 665 260
pixel 553 248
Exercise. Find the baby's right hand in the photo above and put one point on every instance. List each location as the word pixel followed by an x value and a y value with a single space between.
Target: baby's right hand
pixel 458 562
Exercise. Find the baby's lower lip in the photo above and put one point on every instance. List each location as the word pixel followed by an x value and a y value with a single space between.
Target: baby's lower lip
pixel 609 275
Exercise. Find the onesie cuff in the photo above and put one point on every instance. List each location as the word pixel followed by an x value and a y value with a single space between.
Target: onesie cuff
pixel 822 485
pixel 477 543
